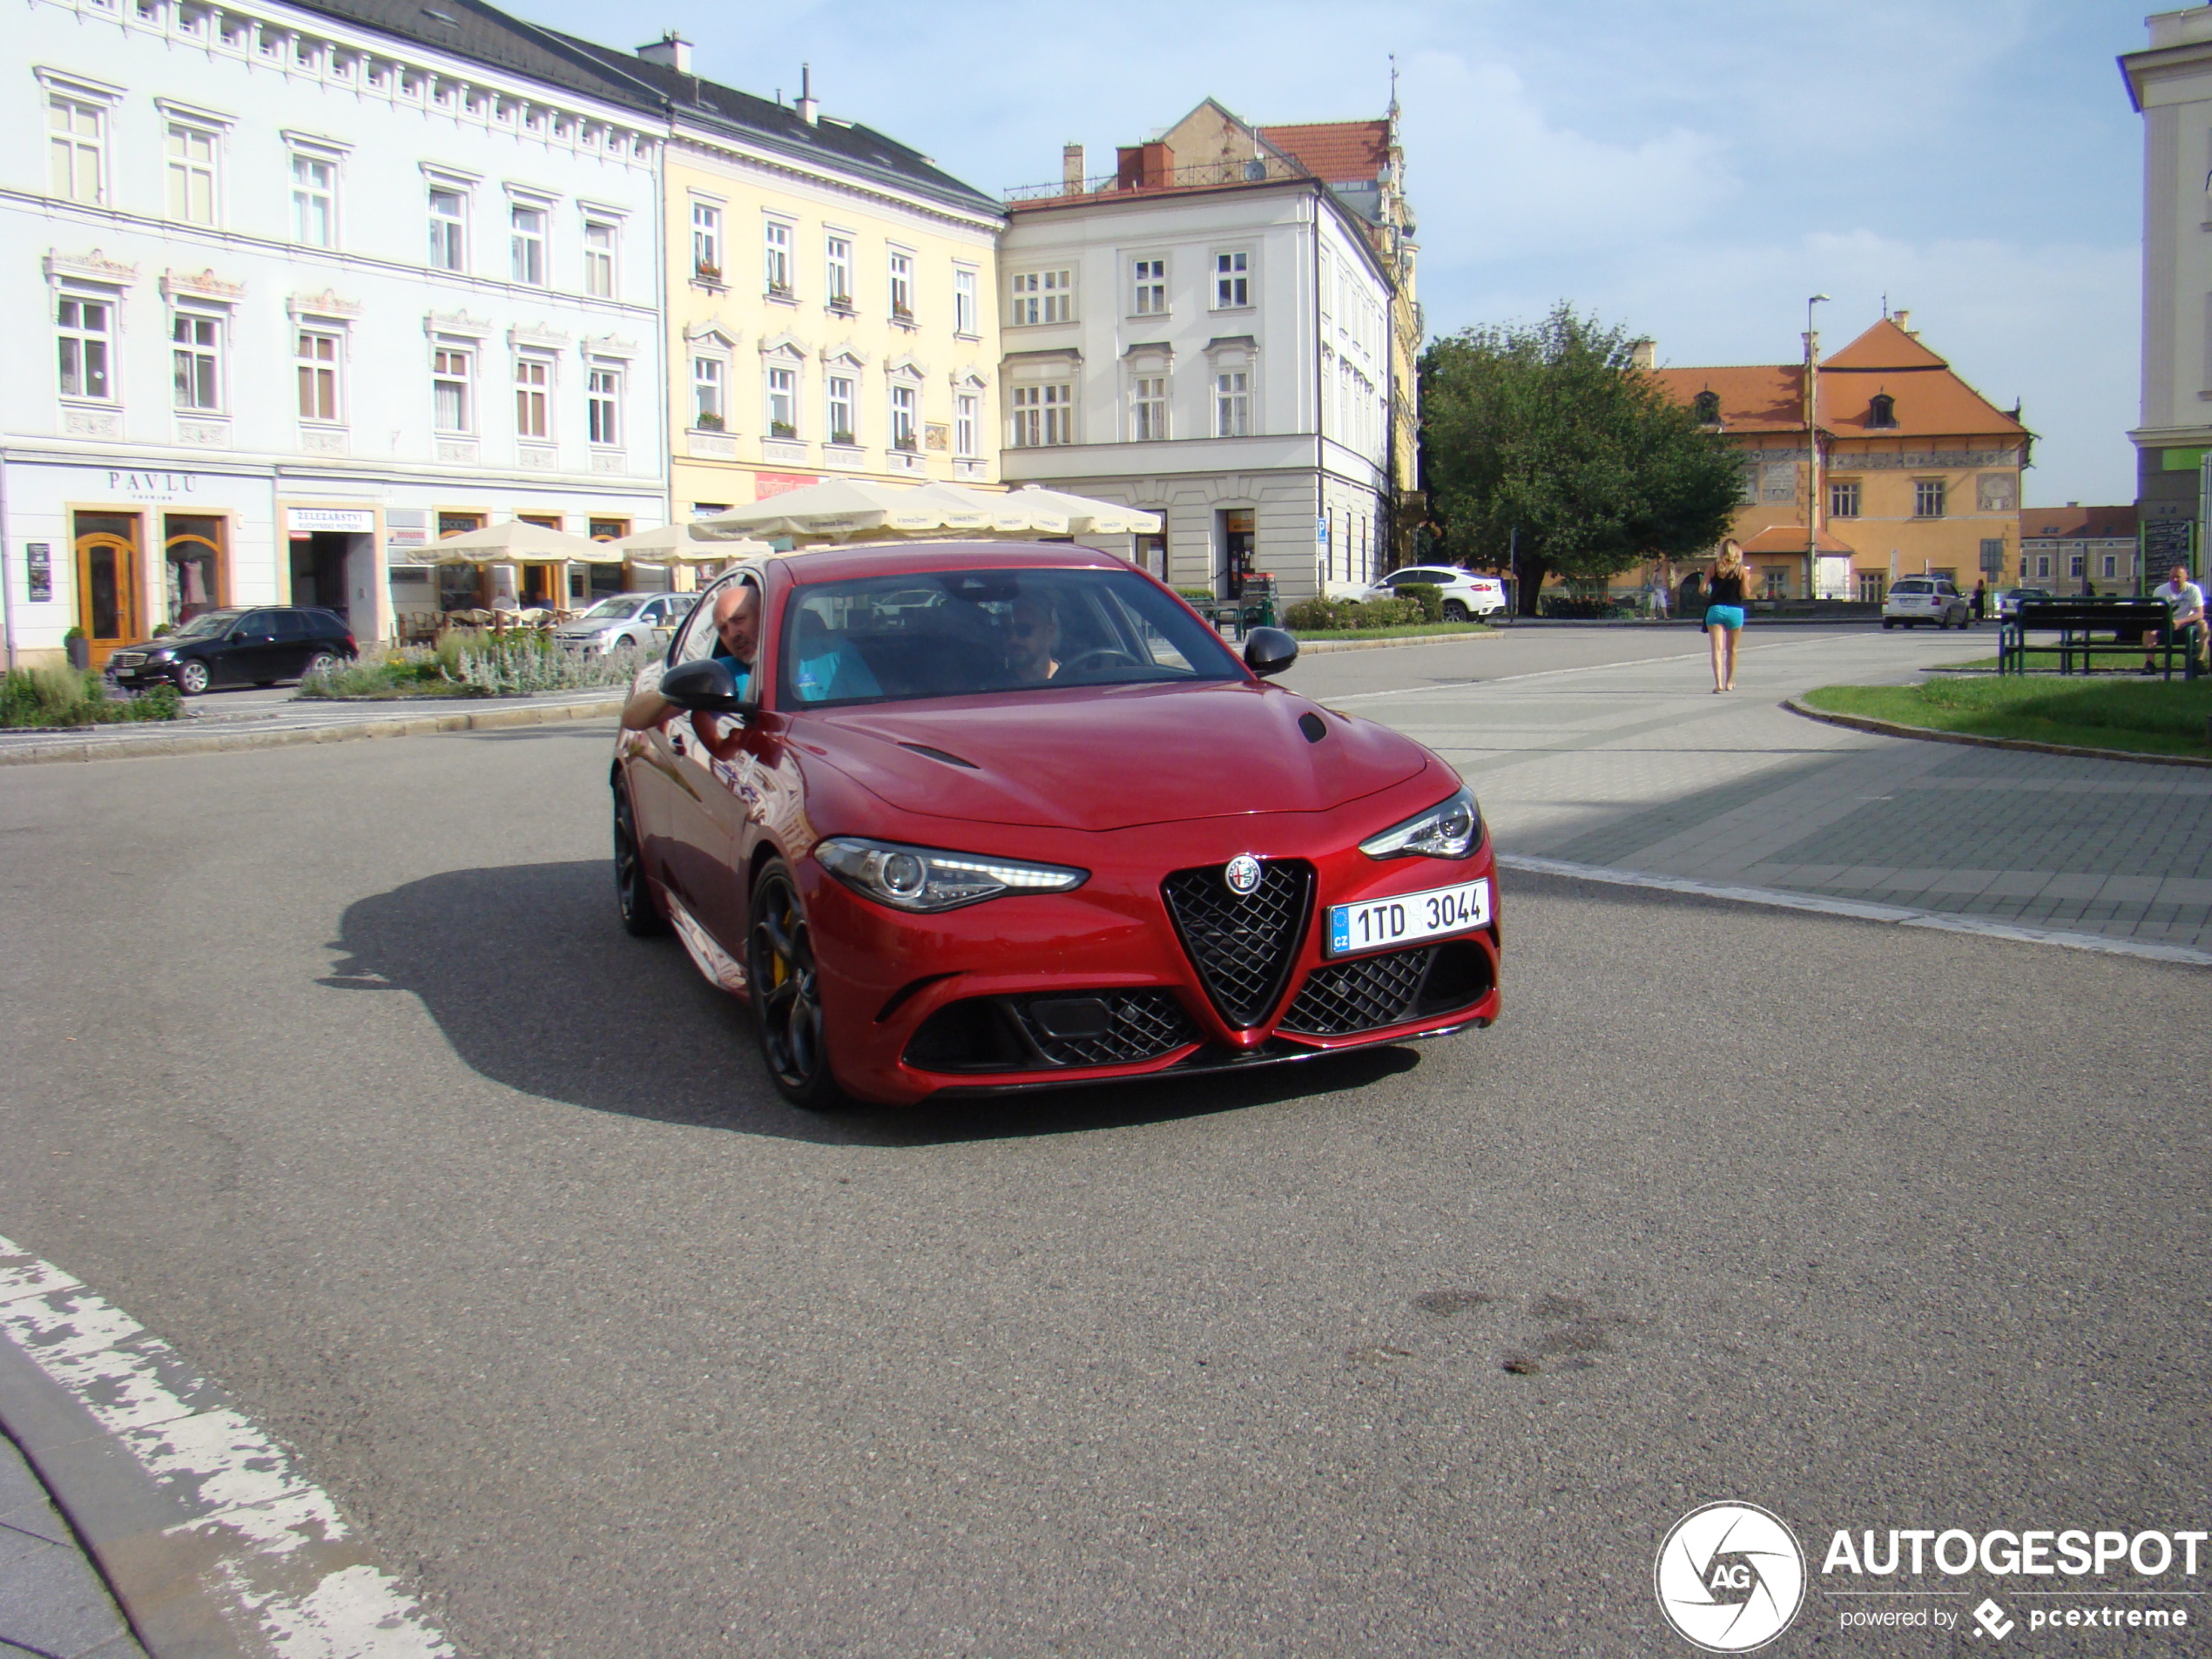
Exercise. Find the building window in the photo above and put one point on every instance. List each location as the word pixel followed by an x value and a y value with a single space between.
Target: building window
pixel 840 409
pixel 707 412
pixel 1232 402
pixel 783 402
pixel 604 402
pixel 902 418
pixel 533 389
pixel 599 257
pixel 1881 410
pixel 1151 279
pixel 2074 566
pixel 2112 565
pixel 192 174
pixel 967 424
pixel 451 373
pixel 2043 565
pixel 195 358
pixel 1231 281
pixel 1148 407
pixel 526 244
pixel 837 270
pixel 317 355
pixel 449 230
pixel 315 201
pixel 84 327
pixel 77 149
pixel 707 241
pixel 1872 587
pixel 1927 498
pixel 1843 498
pixel 778 256
pixel 1043 415
pixel 902 286
pixel 967 318
pixel 1043 296
pixel 1709 408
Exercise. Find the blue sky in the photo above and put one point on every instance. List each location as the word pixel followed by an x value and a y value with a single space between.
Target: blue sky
pixel 1691 168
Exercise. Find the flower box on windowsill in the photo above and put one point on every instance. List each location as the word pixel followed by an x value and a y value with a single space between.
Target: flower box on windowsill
pixel 782 429
pixel 709 276
pixel 902 317
pixel 840 304
pixel 780 291
pixel 842 440
pixel 707 422
pixel 906 444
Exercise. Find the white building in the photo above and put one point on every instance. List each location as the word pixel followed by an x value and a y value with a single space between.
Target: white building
pixel 292 288
pixel 1205 335
pixel 2171 85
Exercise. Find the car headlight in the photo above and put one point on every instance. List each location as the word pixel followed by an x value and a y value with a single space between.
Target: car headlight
pixel 1450 829
pixel 925 879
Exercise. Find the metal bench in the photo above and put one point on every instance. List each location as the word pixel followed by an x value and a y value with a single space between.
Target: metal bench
pixel 2086 629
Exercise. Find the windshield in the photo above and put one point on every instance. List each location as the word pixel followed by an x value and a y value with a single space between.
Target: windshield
pixel 207 624
pixel 956 633
pixel 614 610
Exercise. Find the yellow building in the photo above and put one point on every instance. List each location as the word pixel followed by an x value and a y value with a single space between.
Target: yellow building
pixel 1906 469
pixel 832 305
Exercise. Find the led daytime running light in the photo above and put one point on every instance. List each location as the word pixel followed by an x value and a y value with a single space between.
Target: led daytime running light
pixel 925 880
pixel 1450 829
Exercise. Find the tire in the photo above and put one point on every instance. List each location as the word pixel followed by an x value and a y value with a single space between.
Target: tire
pixel 321 662
pixel 786 1006
pixel 641 916
pixel 1454 611
pixel 193 678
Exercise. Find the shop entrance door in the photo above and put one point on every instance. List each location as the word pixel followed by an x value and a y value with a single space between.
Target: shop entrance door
pixel 108 607
pixel 319 571
pixel 1235 538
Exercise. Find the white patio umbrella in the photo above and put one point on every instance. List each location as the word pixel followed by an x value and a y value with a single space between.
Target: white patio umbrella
pixel 516 541
pixel 1056 512
pixel 675 544
pixel 838 509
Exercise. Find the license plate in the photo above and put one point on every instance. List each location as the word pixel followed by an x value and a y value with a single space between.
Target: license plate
pixel 1408 918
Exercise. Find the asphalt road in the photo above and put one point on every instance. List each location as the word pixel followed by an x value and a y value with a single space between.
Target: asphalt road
pixel 332 1066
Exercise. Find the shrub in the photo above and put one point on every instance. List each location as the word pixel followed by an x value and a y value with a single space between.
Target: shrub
pixel 1427 596
pixel 1581 609
pixel 1197 595
pixel 1333 616
pixel 471 662
pixel 64 697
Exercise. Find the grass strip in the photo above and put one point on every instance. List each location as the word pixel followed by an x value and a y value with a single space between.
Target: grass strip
pixel 2134 715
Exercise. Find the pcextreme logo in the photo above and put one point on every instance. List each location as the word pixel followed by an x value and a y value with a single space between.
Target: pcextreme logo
pixel 1729 1577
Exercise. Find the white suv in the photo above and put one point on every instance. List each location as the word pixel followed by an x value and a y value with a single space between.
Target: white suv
pixel 1465 595
pixel 1916 599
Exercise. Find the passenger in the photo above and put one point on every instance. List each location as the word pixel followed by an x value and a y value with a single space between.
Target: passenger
pixel 1032 637
pixel 737 626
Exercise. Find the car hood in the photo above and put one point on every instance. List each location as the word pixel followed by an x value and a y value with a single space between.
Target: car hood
pixel 1111 757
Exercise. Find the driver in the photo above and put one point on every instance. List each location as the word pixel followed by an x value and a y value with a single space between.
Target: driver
pixel 737 628
pixel 1032 638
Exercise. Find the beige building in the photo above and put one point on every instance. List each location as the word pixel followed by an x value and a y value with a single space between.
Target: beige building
pixel 831 300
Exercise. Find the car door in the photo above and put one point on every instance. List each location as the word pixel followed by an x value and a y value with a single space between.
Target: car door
pixel 245 654
pixel 294 642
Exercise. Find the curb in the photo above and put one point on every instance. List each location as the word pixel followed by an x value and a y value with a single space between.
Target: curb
pixel 213 1544
pixel 133 748
pixel 1859 910
pixel 1318 646
pixel 1892 729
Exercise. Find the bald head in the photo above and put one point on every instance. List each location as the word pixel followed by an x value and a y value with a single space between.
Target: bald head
pixel 737 620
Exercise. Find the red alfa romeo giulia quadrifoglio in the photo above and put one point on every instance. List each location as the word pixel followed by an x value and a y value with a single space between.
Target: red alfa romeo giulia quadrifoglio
pixel 970 818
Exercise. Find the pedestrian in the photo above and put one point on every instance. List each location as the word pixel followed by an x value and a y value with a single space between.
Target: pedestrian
pixel 1724 612
pixel 1661 590
pixel 1981 600
pixel 2184 622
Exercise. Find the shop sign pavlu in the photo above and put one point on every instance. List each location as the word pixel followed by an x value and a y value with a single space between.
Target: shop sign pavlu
pixel 153 486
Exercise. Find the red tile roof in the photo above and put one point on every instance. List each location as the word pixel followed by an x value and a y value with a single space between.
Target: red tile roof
pixel 2077 521
pixel 1336 153
pixel 1757 397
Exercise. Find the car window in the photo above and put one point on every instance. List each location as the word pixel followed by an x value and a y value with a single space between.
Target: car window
pixel 208 625
pixel 257 622
pixel 698 639
pixel 618 609
pixel 959 633
pixel 291 624
pixel 1909 587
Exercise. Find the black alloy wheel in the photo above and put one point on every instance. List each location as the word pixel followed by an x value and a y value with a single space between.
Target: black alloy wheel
pixel 1454 611
pixel 192 677
pixel 640 917
pixel 787 1000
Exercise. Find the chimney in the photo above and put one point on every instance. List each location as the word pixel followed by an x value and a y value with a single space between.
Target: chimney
pixel 1643 354
pixel 671 50
pixel 809 111
pixel 1903 320
pixel 1071 169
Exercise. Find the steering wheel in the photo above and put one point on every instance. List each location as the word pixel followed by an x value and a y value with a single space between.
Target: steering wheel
pixel 1102 656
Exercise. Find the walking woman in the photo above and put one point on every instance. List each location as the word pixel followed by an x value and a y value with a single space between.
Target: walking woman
pixel 1724 612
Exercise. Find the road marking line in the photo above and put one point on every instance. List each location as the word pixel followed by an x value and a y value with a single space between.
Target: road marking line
pixel 1898 915
pixel 267 1557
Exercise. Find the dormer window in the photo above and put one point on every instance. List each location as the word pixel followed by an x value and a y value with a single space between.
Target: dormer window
pixel 1881 410
pixel 1709 408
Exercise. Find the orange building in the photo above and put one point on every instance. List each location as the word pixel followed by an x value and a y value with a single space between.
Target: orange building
pixel 1904 470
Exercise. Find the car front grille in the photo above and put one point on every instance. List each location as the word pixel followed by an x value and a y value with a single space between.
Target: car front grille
pixel 127 659
pixel 1242 946
pixel 1146 1024
pixel 1370 992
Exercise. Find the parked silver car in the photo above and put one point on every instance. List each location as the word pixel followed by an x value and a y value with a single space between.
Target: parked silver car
pixel 640 622
pixel 1915 599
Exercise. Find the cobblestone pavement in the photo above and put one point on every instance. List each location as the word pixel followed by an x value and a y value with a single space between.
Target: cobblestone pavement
pixel 1637 766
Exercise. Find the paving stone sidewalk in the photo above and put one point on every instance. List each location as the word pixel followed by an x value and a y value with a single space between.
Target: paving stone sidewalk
pixel 52 1604
pixel 1639 766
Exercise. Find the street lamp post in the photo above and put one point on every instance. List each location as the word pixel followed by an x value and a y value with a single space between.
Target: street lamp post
pixel 1812 448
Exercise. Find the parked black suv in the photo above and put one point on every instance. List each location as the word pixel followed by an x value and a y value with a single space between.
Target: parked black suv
pixel 256 647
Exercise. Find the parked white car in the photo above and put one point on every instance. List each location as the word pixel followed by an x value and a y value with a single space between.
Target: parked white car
pixel 1465 594
pixel 1915 599
pixel 641 622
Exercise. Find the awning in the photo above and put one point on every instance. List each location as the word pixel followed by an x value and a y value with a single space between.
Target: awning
pixel 675 544
pixel 516 541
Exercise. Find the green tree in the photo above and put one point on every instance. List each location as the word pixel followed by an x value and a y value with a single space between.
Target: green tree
pixel 1546 450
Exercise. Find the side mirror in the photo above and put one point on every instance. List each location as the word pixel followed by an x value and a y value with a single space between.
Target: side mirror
pixel 1269 651
pixel 707 685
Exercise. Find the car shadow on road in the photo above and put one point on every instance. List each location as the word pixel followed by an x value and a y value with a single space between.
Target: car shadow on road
pixel 529 975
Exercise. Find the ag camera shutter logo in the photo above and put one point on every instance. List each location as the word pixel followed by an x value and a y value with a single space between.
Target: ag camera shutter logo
pixel 1729 1577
